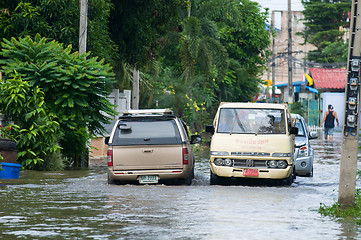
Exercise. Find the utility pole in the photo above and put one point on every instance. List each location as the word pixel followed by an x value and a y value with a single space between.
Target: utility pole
pixel 348 166
pixel 135 98
pixel 83 26
pixel 290 86
pixel 273 56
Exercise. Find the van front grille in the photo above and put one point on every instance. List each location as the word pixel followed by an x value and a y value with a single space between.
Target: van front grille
pixel 250 163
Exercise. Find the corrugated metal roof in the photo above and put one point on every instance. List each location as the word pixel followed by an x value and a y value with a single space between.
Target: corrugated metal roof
pixel 327 78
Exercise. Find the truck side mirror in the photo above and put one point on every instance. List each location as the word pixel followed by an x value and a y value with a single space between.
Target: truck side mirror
pixel 210 129
pixel 294 130
pixel 106 140
pixel 196 139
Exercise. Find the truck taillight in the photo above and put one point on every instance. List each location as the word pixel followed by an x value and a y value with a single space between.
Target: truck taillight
pixel 110 157
pixel 185 155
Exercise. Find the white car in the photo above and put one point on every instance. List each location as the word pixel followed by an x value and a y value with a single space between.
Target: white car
pixel 303 151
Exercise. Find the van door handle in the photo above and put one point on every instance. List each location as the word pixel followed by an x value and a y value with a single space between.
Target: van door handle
pixel 147 150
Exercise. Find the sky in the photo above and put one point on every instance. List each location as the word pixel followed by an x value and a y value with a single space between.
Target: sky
pixel 296 5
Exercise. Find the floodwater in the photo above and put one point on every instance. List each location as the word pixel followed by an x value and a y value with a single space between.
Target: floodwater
pixel 81 205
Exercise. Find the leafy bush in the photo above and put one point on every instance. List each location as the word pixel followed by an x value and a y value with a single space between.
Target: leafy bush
pixel 34 131
pixel 74 88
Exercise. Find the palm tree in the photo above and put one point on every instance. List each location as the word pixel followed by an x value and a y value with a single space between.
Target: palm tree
pixel 201 49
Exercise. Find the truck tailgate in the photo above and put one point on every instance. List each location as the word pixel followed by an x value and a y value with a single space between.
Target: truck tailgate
pixel 147 157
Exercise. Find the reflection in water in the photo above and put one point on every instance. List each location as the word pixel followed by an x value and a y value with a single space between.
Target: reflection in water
pixel 349 230
pixel 80 205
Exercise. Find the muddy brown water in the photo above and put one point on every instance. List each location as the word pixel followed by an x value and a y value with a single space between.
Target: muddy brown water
pixel 81 205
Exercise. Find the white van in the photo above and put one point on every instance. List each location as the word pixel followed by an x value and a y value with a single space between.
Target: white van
pixel 252 140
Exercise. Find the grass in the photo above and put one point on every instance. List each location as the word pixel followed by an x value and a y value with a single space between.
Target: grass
pixel 336 210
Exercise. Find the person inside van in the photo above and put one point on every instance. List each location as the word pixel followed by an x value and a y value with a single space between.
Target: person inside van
pixel 268 126
pixel 225 121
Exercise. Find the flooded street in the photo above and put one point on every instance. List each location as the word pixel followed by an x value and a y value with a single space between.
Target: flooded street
pixel 81 205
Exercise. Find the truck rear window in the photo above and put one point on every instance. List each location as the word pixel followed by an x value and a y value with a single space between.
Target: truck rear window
pixel 146 132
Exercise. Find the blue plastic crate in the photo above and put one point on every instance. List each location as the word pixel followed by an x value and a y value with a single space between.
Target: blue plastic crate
pixel 10 170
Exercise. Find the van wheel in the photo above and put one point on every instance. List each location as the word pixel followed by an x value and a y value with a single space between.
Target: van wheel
pixel 215 180
pixel 288 181
pixel 294 174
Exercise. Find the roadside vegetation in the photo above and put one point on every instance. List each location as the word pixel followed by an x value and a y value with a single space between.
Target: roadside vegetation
pixel 351 213
pixel 191 55
pixel 56 99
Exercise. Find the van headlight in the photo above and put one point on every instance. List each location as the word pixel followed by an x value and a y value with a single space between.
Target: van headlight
pixel 272 163
pixel 218 161
pixel 281 155
pixel 216 153
pixel 228 162
pixel 282 164
pixel 277 164
pixel 223 162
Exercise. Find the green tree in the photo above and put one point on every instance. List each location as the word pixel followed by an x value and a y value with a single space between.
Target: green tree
pixel 137 27
pixel 243 33
pixel 75 87
pixel 58 20
pixel 222 50
pixel 323 18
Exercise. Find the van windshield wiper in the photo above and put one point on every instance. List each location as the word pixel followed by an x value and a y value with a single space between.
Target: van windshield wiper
pixel 240 124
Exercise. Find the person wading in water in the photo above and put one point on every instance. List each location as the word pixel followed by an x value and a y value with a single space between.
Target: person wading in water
pixel 329 120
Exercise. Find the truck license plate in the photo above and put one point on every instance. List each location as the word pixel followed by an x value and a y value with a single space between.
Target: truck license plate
pixel 148 179
pixel 250 172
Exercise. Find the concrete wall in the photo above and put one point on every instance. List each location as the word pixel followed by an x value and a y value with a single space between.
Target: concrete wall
pixel 122 100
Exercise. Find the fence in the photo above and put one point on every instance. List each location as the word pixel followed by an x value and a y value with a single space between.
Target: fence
pixel 315 128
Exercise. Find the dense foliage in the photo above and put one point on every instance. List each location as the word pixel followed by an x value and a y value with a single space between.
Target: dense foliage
pixel 138 26
pixel 323 19
pixel 34 131
pixel 191 54
pixel 58 20
pixel 216 54
pixel 75 88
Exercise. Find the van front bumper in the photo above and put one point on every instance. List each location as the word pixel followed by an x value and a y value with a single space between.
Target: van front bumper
pixel 264 173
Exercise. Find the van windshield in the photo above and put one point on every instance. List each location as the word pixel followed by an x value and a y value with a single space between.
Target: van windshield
pixel 251 121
